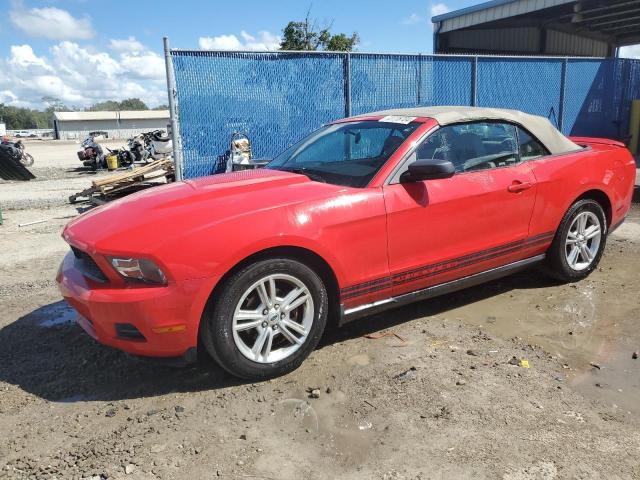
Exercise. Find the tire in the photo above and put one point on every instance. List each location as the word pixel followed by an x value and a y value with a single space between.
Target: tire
pixel 233 345
pixel 560 254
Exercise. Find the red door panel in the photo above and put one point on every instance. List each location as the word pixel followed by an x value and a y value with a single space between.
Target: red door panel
pixel 440 230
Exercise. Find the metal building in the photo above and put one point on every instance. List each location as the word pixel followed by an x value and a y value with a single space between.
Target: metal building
pixel 593 28
pixel 122 124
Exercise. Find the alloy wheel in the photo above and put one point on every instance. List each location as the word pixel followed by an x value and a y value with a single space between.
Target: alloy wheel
pixel 273 318
pixel 583 240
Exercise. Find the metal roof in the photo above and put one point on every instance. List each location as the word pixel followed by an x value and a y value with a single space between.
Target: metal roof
pixel 111 115
pixel 490 11
pixel 614 22
pixel 472 9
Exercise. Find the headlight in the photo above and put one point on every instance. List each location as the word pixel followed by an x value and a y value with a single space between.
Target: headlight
pixel 139 270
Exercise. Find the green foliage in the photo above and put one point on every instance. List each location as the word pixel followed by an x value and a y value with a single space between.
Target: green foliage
pixel 133 104
pixel 17 118
pixel 112 105
pixel 342 43
pixel 109 105
pixel 306 35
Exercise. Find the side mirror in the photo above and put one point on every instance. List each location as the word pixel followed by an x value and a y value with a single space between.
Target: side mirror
pixel 430 169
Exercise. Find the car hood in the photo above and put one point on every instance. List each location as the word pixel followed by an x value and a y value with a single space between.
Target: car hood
pixel 143 221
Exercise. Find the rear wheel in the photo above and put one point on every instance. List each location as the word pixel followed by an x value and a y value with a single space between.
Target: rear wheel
pixel 267 318
pixel 579 242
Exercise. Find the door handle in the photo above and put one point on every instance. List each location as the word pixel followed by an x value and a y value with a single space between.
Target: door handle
pixel 518 186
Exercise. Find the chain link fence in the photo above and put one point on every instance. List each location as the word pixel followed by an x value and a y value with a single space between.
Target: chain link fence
pixel 278 97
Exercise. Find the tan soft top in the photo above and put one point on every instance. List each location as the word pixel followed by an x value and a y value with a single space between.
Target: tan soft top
pixel 540 127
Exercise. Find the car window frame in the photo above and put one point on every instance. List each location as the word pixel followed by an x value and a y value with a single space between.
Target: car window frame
pixel 548 154
pixel 403 164
pixel 395 127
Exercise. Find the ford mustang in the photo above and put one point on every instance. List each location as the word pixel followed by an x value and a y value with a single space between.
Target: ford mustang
pixel 367 213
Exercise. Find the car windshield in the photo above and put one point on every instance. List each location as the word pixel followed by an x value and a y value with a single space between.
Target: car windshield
pixel 347 154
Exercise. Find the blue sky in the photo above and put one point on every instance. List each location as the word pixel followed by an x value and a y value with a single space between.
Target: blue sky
pixel 84 51
pixel 379 22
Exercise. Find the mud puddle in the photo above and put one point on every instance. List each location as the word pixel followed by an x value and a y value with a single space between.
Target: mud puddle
pixel 591 326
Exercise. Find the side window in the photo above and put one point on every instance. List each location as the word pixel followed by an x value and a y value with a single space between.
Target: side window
pixel 530 148
pixel 472 146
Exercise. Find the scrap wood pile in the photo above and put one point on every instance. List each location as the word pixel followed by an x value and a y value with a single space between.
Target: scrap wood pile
pixel 123 183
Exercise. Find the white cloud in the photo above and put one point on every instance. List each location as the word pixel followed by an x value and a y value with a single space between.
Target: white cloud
pixel 126 45
pixel 143 65
pixel 264 41
pixel 80 76
pixel 50 22
pixel 631 51
pixel 221 42
pixel 439 9
pixel 412 19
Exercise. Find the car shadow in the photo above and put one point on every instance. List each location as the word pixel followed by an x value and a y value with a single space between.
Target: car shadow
pixel 531 278
pixel 82 170
pixel 46 354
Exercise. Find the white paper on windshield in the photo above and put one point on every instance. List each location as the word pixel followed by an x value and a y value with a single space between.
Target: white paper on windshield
pixel 397 119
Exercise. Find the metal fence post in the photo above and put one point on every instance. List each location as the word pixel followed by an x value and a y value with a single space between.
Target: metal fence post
pixel 419 79
pixel 347 84
pixel 173 112
pixel 474 82
pixel 563 85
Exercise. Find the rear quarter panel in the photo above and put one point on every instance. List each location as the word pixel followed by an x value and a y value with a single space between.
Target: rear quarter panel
pixel 563 178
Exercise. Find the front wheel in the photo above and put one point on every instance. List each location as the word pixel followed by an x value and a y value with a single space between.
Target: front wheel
pixel 579 242
pixel 267 318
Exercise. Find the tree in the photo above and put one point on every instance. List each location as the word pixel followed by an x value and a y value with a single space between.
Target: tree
pixel 342 43
pixel 307 35
pixel 54 104
pixel 17 118
pixel 133 104
pixel 112 105
pixel 109 106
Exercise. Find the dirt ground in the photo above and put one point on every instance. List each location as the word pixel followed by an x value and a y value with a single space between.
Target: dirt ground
pixel 438 397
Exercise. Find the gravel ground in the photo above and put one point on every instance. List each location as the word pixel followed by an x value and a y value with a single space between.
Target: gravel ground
pixel 440 396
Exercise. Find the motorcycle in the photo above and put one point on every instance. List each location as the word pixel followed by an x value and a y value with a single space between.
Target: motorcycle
pixel 91 155
pixel 158 144
pixel 16 150
pixel 136 149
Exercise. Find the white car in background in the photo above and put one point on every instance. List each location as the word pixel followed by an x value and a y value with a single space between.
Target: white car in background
pixel 24 134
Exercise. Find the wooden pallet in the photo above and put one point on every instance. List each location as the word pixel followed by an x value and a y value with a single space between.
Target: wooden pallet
pixel 131 180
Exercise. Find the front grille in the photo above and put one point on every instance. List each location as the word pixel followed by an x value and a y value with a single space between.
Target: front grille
pixel 88 266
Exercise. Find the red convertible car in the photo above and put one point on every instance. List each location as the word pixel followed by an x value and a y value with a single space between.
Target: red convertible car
pixel 366 213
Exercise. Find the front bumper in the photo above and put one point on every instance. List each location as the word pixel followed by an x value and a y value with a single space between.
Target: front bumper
pixel 173 310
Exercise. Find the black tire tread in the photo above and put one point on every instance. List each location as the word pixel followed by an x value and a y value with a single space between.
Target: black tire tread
pixel 218 339
pixel 556 262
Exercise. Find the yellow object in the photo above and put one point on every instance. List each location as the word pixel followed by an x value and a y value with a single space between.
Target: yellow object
pixel 171 329
pixel 634 126
pixel 524 363
pixel 112 161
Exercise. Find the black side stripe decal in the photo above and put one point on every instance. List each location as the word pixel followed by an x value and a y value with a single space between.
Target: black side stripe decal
pixel 442 267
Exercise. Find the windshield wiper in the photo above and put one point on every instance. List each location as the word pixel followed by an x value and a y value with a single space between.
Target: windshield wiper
pixel 305 172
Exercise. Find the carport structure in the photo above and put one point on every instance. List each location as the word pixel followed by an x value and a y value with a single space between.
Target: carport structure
pixel 590 28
